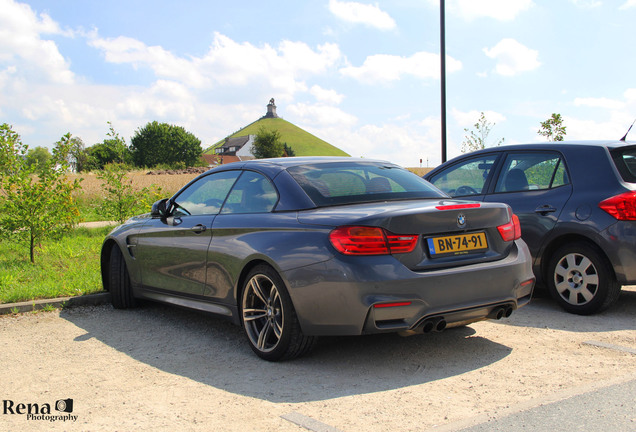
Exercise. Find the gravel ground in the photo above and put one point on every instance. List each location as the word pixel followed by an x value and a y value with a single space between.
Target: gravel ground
pixel 163 368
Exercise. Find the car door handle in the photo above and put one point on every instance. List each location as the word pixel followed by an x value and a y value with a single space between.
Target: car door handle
pixel 545 209
pixel 198 229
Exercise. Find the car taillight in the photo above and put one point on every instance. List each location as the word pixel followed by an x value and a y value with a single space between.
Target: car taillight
pixel 512 230
pixel 622 207
pixel 362 240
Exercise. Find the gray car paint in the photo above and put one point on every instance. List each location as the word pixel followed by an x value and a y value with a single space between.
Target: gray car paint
pixel 332 293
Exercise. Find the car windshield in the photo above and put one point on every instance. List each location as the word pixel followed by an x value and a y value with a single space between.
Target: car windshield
pixel 625 160
pixel 347 183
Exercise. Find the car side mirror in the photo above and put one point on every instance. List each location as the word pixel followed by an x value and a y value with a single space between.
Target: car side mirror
pixel 160 208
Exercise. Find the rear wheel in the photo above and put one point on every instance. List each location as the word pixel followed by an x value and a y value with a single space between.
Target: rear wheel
pixel 269 318
pixel 581 279
pixel 119 281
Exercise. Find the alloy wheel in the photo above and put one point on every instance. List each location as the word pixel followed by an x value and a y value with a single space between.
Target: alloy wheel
pixel 263 313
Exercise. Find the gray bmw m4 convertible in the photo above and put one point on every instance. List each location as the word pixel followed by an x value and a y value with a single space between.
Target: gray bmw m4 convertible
pixel 295 248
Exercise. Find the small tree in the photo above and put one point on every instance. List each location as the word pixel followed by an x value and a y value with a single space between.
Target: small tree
pixel 162 143
pixel 288 151
pixel 267 144
pixel 34 207
pixel 477 139
pixel 37 158
pixel 121 200
pixel 112 150
pixel 77 156
pixel 553 128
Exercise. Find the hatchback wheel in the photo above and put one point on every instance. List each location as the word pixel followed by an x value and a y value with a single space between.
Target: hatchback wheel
pixel 119 281
pixel 269 319
pixel 581 279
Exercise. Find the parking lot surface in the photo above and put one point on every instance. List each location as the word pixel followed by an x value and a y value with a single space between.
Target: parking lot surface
pixel 160 368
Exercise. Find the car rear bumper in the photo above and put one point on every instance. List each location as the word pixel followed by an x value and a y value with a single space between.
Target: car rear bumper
pixel 618 243
pixel 375 294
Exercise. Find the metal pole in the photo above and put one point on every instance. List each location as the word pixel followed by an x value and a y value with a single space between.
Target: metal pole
pixel 442 55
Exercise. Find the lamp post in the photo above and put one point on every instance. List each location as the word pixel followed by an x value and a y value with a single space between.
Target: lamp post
pixel 442 55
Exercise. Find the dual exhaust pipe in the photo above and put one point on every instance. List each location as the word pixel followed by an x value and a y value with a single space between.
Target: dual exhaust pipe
pixel 438 324
pixel 433 324
pixel 500 312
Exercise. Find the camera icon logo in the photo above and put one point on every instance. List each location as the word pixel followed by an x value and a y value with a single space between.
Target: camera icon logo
pixel 64 405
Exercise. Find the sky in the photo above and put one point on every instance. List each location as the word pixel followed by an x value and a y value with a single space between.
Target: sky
pixel 362 75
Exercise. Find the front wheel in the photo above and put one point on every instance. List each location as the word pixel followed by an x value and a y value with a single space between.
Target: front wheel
pixel 119 281
pixel 269 318
pixel 581 279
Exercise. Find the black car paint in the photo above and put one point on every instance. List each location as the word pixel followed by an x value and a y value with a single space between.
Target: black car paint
pixel 553 217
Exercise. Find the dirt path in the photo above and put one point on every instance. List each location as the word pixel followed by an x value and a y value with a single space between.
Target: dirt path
pixel 161 368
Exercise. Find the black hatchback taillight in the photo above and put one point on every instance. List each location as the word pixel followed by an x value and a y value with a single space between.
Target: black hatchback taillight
pixel 622 207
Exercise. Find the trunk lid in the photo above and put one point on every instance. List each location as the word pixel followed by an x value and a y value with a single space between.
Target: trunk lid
pixel 451 232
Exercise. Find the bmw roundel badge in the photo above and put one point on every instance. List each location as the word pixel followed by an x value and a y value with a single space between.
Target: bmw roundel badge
pixel 461 220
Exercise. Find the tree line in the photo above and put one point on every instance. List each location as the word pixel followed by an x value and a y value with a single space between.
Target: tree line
pixel 156 144
pixel 37 197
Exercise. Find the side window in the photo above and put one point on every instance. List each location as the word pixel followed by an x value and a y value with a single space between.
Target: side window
pixel 532 171
pixel 560 175
pixel 465 178
pixel 206 195
pixel 252 193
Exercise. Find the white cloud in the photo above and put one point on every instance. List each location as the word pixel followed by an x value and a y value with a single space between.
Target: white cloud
pixel 122 50
pixel 385 68
pixel 468 119
pixel 326 95
pixel 321 115
pixel 164 100
pixel 630 95
pixel 587 3
pixel 613 128
pixel 513 57
pixel 401 143
pixel 628 4
pixel 228 63
pixel 605 103
pixel 610 118
pixel 6 75
pixel 23 48
pixel 360 13
pixel 502 10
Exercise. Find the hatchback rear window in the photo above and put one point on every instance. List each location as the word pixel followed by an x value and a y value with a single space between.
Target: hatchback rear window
pixel 347 183
pixel 625 161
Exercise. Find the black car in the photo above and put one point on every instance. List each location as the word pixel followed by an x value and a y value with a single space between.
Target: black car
pixel 295 248
pixel 576 202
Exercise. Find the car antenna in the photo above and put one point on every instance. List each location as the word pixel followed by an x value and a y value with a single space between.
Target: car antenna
pixel 630 128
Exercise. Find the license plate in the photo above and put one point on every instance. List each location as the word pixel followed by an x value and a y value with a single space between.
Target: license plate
pixel 457 244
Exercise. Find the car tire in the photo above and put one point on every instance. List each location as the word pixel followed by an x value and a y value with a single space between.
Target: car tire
pixel 269 319
pixel 581 279
pixel 119 281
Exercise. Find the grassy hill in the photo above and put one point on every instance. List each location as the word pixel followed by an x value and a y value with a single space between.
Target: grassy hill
pixel 301 142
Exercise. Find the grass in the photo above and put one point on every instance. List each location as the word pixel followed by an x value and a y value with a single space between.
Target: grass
pixel 302 142
pixel 420 171
pixel 65 267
